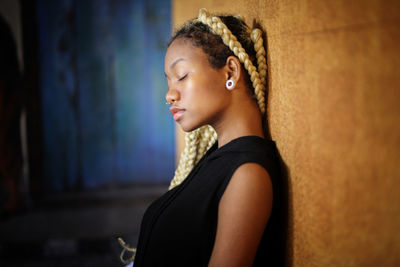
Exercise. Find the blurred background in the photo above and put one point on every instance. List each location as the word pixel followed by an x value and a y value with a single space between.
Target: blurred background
pixel 86 139
pixel 87 143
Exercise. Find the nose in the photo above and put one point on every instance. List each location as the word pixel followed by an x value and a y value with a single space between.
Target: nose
pixel 172 96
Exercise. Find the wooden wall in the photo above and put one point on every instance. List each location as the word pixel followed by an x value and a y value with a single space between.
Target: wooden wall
pixel 334 112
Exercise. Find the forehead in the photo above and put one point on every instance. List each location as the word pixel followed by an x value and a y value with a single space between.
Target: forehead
pixel 183 49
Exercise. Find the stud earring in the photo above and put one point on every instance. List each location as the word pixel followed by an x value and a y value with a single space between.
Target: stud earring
pixel 229 84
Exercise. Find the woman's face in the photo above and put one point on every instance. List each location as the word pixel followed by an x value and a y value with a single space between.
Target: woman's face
pixel 196 90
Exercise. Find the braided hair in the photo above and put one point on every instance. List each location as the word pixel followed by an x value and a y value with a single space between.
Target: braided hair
pixel 220 37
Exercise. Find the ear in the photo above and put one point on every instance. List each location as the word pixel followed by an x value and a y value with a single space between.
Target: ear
pixel 233 69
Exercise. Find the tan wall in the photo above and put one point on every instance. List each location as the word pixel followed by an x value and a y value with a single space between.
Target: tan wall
pixel 334 111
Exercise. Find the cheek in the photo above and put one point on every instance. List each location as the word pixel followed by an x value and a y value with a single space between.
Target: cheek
pixel 204 92
pixel 212 85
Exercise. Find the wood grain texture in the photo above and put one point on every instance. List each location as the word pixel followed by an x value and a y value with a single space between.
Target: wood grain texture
pixel 334 112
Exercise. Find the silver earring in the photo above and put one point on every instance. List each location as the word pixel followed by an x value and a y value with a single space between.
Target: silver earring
pixel 229 84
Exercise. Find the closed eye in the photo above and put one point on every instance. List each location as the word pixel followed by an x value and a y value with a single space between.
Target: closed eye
pixel 184 77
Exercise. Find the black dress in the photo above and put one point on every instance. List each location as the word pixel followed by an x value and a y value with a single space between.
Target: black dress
pixel 179 228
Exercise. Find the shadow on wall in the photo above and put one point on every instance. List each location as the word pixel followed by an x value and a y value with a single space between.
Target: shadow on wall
pixel 285 223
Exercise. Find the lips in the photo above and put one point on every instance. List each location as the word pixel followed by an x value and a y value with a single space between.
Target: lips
pixel 177 112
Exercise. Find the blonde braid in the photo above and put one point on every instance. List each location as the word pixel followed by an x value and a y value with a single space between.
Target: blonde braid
pixel 256 37
pixel 187 157
pixel 219 28
pixel 200 140
pixel 197 143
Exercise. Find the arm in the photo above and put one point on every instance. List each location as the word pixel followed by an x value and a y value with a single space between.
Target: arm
pixel 243 213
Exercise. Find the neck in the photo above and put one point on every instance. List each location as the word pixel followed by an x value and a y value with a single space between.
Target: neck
pixel 243 119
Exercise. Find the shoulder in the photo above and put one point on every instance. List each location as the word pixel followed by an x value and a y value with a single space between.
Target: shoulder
pixel 251 160
pixel 250 181
pixel 243 213
pixel 252 172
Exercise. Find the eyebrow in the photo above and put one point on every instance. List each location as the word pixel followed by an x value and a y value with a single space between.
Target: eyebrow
pixel 174 64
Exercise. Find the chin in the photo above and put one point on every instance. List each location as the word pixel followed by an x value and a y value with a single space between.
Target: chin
pixel 188 127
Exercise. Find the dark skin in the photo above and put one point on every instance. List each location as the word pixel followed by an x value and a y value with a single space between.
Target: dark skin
pixel 199 91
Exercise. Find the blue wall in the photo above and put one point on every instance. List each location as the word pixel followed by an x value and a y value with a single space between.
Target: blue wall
pixel 103 93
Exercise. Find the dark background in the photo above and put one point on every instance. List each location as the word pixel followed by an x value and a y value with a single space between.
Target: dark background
pixel 86 140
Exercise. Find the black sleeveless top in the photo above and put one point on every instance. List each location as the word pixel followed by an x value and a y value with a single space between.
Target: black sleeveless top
pixel 179 228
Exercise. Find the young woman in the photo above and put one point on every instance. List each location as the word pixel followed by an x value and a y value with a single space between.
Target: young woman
pixel 222 208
